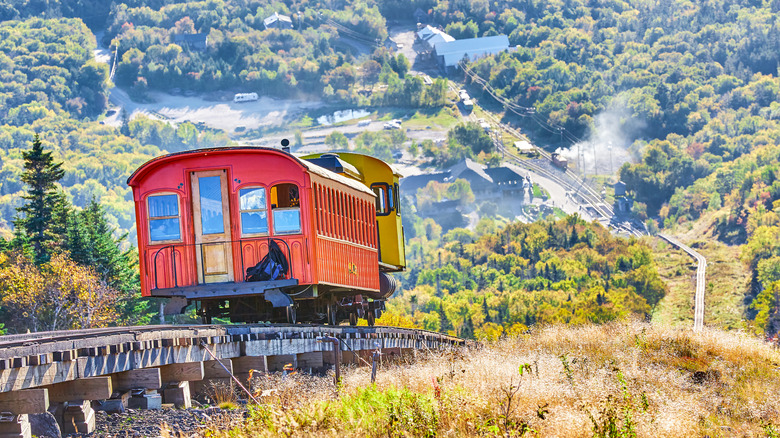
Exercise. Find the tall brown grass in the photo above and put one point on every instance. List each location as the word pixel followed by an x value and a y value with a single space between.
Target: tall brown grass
pixel 616 380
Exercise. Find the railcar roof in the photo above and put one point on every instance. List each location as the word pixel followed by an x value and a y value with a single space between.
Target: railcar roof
pixel 313 168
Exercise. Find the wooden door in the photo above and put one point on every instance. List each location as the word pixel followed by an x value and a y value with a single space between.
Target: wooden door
pixel 211 216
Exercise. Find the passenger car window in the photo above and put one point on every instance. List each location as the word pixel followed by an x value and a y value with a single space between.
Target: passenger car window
pixel 164 222
pixel 285 206
pixel 384 204
pixel 254 211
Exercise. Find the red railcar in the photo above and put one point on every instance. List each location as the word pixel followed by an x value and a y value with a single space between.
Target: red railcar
pixel 205 216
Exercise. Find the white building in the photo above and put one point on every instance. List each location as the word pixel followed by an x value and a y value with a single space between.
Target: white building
pixel 429 36
pixel 449 53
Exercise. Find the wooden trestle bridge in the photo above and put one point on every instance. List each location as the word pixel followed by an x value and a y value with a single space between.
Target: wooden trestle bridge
pixel 69 373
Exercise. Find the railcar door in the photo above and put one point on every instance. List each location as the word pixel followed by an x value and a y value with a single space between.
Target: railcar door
pixel 211 217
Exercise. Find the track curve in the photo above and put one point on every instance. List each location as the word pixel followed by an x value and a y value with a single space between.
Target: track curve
pixel 701 273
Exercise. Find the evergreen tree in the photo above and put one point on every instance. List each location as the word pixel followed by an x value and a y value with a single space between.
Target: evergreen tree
pixel 91 242
pixel 486 310
pixel 41 174
pixel 445 325
pixel 124 129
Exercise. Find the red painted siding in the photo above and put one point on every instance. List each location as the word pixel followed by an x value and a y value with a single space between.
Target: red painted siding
pixel 337 243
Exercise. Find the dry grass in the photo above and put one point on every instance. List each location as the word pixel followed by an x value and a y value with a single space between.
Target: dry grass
pixel 678 271
pixel 616 380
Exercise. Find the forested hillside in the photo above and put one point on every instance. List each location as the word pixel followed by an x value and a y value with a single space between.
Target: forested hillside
pixel 52 86
pixel 695 87
pixel 491 282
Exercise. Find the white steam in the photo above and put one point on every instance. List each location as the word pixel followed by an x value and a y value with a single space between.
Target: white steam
pixel 607 147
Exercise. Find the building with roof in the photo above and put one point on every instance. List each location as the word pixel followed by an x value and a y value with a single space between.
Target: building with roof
pixel 481 183
pixel 449 53
pixel 278 21
pixel 505 186
pixel 507 180
pixel 486 183
pixel 429 36
pixel 623 202
pixel 524 147
pixel 194 41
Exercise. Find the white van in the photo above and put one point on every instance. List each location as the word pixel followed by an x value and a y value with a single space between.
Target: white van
pixel 245 97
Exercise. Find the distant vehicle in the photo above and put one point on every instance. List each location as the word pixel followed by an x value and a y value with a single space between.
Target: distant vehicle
pixel 464 95
pixel 392 125
pixel 485 126
pixel 398 155
pixel 110 112
pixel 559 161
pixel 468 104
pixel 364 122
pixel 245 97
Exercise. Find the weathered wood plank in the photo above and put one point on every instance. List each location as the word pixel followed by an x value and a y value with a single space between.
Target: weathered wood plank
pixel 90 388
pixel 182 372
pixel 242 365
pixel 28 401
pixel 148 378
pixel 213 370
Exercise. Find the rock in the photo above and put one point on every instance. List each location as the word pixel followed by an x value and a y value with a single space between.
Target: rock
pixel 44 425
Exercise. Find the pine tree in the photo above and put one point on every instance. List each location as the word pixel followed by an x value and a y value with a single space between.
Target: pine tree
pixel 91 243
pixel 125 128
pixel 445 325
pixel 41 174
pixel 486 310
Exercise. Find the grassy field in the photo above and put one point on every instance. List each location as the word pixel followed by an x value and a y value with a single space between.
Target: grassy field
pixel 727 280
pixel 678 271
pixel 727 284
pixel 626 379
pixel 439 119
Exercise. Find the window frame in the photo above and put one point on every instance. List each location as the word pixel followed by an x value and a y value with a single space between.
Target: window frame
pixel 149 218
pixel 387 198
pixel 397 202
pixel 240 211
pixel 272 226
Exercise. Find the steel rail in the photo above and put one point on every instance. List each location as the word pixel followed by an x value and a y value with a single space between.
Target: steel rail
pixel 38 338
pixel 701 273
pixel 567 179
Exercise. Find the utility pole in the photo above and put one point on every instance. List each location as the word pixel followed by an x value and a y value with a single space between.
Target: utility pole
pixel 611 164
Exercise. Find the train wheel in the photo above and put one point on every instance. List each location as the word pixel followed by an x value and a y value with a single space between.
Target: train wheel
pixel 291 315
pixel 353 318
pixel 371 318
pixel 333 310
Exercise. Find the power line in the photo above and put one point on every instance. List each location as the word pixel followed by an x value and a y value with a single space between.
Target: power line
pixel 518 109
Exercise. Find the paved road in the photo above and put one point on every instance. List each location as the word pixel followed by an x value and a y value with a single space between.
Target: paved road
pixel 698 302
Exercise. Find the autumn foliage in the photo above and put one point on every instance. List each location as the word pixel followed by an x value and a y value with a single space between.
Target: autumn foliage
pixel 59 294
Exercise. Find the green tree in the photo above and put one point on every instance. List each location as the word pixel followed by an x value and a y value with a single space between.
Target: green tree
pixel 91 242
pixel 43 198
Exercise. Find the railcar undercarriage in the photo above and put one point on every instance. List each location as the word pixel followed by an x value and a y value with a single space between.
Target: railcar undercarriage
pixel 332 309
